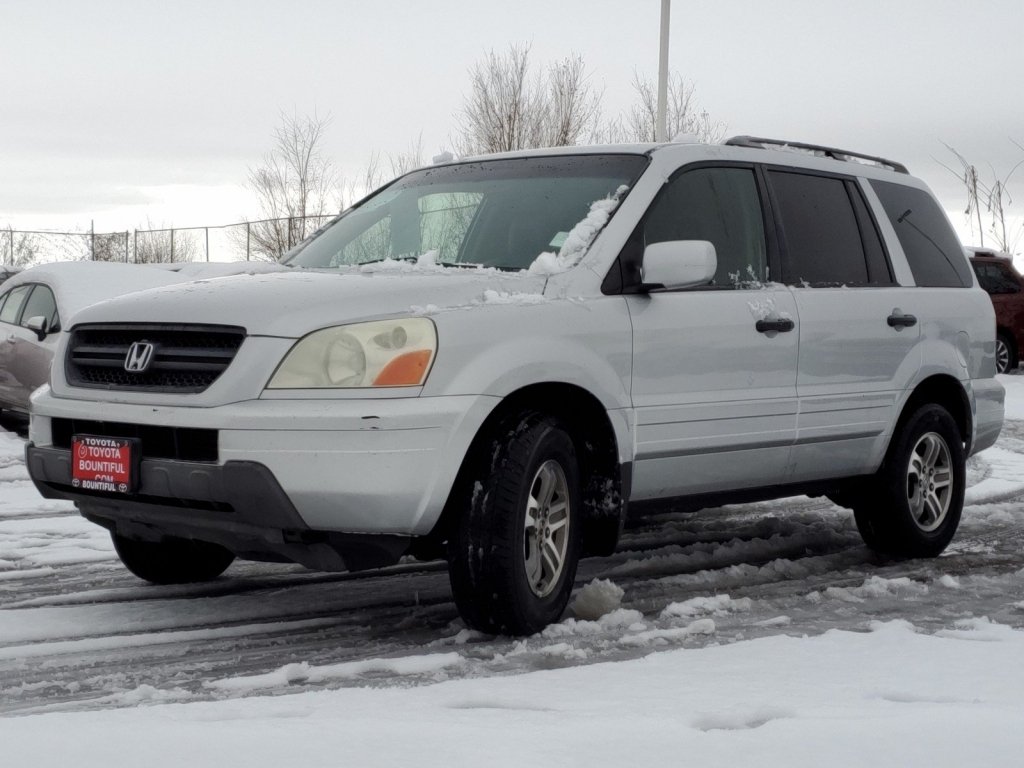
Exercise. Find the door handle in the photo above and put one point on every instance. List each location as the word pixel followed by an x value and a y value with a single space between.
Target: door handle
pixel 898 320
pixel 782 325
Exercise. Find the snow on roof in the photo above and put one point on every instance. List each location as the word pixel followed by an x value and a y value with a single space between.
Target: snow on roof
pixel 973 250
pixel 77 284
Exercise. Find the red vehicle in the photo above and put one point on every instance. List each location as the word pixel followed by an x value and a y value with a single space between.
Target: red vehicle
pixel 1004 284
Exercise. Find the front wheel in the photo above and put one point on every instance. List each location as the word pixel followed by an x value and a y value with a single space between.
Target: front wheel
pixel 514 550
pixel 912 506
pixel 173 561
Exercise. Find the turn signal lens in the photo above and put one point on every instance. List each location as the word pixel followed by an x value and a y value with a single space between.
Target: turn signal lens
pixel 406 370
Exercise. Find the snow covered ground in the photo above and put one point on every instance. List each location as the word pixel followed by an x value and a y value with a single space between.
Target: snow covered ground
pixel 754 634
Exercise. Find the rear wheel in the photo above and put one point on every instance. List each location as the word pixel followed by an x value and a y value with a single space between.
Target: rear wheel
pixel 514 551
pixel 173 561
pixel 1006 353
pixel 912 507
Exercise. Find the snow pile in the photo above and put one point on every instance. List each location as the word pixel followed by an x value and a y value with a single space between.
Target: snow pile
pixel 618 619
pixel 579 238
pixel 777 702
pixel 302 672
pixel 876 587
pixel 668 635
pixel 717 605
pixel 597 598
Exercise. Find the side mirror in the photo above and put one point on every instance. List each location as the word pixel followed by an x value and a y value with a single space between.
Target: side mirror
pixel 678 264
pixel 40 325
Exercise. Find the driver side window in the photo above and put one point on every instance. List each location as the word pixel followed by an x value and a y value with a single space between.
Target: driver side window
pixel 723 206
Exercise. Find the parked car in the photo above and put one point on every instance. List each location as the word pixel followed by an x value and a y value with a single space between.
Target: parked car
pixel 492 360
pixel 32 305
pixel 1000 280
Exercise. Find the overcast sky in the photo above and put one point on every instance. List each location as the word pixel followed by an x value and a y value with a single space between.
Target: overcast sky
pixel 123 112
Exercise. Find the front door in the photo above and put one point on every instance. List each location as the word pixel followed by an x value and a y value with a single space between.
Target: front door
pixel 714 367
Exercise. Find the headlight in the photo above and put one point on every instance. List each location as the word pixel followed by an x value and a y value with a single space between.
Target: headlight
pixel 388 353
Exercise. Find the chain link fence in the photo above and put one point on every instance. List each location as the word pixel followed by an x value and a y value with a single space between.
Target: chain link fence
pixel 261 240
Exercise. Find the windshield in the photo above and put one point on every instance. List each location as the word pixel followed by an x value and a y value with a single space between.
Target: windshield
pixel 495 213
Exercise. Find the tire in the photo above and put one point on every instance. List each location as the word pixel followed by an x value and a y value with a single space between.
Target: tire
pixel 1006 353
pixel 912 507
pixel 515 547
pixel 173 561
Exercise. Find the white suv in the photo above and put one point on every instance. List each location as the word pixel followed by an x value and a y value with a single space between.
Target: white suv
pixel 491 360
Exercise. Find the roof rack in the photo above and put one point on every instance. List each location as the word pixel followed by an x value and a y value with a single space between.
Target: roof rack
pixel 836 154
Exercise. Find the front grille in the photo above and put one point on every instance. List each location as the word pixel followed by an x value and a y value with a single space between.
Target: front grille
pixel 180 443
pixel 186 358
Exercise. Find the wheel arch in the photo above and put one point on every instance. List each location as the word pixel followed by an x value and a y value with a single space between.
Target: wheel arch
pixel 605 478
pixel 944 390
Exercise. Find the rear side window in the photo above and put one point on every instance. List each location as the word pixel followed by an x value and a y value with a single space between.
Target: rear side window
pixel 932 249
pixel 826 242
pixel 721 205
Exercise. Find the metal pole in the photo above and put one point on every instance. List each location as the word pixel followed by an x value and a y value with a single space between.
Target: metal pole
pixel 126 246
pixel 92 239
pixel 172 245
pixel 207 243
pixel 661 129
pixel 135 247
pixel 11 233
pixel 289 232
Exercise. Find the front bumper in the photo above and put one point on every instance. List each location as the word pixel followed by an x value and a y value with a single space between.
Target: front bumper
pixel 360 466
pixel 238 505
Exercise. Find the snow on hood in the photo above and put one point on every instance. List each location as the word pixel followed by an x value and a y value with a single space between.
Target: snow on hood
pixel 198 270
pixel 295 302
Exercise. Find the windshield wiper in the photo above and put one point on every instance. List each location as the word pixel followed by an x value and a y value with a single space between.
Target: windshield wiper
pixel 415 259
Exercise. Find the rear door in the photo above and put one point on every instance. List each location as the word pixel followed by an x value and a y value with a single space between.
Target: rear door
pixel 714 367
pixel 859 335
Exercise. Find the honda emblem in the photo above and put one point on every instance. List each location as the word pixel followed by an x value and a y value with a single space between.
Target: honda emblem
pixel 140 355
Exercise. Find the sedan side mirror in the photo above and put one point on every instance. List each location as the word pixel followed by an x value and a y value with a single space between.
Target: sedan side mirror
pixel 40 325
pixel 678 264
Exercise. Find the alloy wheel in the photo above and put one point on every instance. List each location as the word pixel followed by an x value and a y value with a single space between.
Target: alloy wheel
pixel 929 481
pixel 547 528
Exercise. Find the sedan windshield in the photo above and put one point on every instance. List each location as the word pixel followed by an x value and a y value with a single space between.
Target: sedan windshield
pixel 494 213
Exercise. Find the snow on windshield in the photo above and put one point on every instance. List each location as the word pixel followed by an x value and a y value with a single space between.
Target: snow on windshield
pixel 579 238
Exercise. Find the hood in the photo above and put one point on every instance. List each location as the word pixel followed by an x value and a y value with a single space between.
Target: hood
pixel 294 303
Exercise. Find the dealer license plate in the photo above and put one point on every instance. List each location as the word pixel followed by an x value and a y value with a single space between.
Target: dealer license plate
pixel 104 463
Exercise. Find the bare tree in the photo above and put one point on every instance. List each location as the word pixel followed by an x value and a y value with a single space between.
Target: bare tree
pixel 683 115
pixel 20 249
pixel 159 244
pixel 108 246
pixel 572 107
pixel 993 195
pixel 511 107
pixel 294 186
